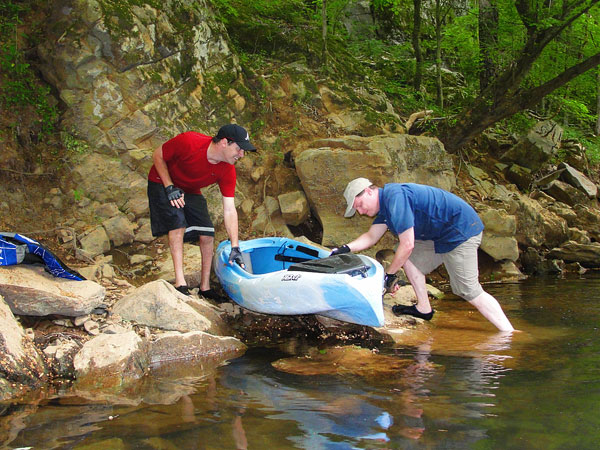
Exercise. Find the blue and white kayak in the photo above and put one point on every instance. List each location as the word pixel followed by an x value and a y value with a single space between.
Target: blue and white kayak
pixel 287 277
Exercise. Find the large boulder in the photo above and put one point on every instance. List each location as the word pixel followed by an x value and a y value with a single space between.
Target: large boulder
pixel 588 218
pixel 328 165
pixel 111 361
pixel 588 255
pixel 577 179
pixel 174 346
pixel 499 235
pixel 95 242
pixel 294 207
pixel 158 304
pixel 537 147
pixel 536 225
pixel 566 193
pixel 22 366
pixel 30 291
pixel 119 230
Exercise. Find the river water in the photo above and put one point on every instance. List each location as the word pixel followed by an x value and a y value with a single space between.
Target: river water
pixel 452 383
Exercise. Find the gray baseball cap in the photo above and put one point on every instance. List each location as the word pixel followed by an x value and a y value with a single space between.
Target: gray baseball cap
pixel 354 188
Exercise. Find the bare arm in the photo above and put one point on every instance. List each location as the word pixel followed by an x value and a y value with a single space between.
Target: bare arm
pixel 230 218
pixel 369 238
pixel 163 173
pixel 161 166
pixel 405 248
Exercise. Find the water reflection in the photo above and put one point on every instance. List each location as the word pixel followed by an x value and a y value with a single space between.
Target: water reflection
pixel 326 411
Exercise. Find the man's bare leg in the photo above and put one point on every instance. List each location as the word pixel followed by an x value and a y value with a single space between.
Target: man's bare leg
pixel 176 248
pixel 206 250
pixel 489 307
pixel 417 280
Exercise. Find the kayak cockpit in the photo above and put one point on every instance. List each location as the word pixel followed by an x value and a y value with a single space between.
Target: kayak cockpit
pixel 348 263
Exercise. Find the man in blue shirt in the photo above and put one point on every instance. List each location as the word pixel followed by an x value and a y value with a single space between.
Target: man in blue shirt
pixel 433 227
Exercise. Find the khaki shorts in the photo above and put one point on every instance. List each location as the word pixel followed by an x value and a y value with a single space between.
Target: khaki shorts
pixel 461 265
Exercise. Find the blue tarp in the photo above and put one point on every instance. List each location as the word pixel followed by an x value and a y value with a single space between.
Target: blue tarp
pixel 19 249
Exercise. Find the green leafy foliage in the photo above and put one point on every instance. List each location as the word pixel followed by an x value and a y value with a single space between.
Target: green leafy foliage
pixel 19 83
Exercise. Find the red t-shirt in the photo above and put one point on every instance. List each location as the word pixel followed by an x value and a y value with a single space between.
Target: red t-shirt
pixel 185 155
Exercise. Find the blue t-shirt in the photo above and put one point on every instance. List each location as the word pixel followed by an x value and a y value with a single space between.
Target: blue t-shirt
pixel 435 214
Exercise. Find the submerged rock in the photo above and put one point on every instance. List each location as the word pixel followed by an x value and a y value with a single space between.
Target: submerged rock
pixel 174 346
pixel 343 360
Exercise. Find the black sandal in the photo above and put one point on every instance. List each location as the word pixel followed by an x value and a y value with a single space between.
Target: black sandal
pixel 184 289
pixel 411 310
pixel 212 295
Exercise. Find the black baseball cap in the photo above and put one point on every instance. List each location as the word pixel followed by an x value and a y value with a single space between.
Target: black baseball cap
pixel 237 134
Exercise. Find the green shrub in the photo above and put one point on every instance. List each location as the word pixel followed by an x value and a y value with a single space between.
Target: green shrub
pixel 20 87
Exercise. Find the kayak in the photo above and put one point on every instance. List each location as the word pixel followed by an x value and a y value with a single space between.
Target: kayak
pixel 286 277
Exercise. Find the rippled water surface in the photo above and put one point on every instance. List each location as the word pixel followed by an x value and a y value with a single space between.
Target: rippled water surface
pixel 453 383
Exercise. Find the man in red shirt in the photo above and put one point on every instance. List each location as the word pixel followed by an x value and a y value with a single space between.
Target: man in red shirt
pixel 182 167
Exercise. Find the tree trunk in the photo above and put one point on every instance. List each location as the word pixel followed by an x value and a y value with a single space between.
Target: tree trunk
pixel 598 105
pixel 324 31
pixel 416 41
pixel 498 105
pixel 438 55
pixel 488 41
pixel 504 96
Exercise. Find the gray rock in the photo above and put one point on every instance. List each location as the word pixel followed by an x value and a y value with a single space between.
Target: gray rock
pixel 519 175
pixel 577 179
pixel 500 247
pixel 536 225
pixel 537 147
pixel 158 304
pixel 22 366
pixel 566 193
pixel 119 230
pixel 499 222
pixel 110 361
pixel 382 159
pixel 144 234
pixel 30 291
pixel 107 210
pixel 587 255
pixel 95 242
pixel 294 207
pixel 175 346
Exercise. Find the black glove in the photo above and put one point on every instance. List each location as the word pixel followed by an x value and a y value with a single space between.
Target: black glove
pixel 236 255
pixel 173 193
pixel 389 281
pixel 338 251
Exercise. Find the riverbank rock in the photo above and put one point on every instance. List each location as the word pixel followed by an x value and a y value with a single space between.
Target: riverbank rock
pixel 30 291
pixel 22 367
pixel 327 165
pixel 588 255
pixel 110 361
pixel 174 346
pixel 566 193
pixel 577 179
pixel 536 225
pixel 158 304
pixel 294 207
pixel 499 235
pixel 537 147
